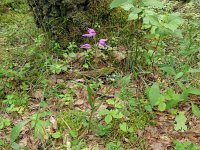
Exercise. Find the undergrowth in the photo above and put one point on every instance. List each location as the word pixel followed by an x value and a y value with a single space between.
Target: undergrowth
pixel 105 96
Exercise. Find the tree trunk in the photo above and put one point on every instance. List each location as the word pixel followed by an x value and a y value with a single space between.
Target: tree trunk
pixel 66 20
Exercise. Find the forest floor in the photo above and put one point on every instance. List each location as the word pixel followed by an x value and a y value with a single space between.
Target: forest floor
pixel 47 102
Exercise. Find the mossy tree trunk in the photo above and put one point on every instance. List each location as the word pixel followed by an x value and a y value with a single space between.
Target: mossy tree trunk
pixel 66 20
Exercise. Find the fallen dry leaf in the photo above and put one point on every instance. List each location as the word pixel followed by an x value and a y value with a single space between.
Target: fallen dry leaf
pixel 54 123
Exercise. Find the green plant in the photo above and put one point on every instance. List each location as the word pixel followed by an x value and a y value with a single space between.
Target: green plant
pixel 4 123
pixel 196 110
pixel 114 146
pixel 58 67
pixel 104 130
pixel 124 127
pixel 15 102
pixel 169 99
pixel 67 98
pixel 40 125
pixel 150 25
pixel 186 145
pixel 180 122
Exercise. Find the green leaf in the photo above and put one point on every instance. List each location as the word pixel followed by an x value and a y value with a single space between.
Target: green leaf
pixel 196 110
pixel 127 6
pixel 15 146
pixel 110 101
pixel 90 99
pixel 179 75
pixel 132 16
pixel 125 81
pixel 152 20
pixel 117 114
pixel 117 3
pixel 173 21
pixel 108 119
pixel 74 133
pixel 153 3
pixel 162 106
pixel 194 70
pixel 16 131
pixel 56 135
pixel 180 122
pixel 104 112
pixel 194 91
pixel 154 94
pixel 123 126
pixel 169 70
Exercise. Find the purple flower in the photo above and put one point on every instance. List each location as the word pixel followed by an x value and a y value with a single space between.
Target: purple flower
pixel 102 43
pixel 91 33
pixel 86 46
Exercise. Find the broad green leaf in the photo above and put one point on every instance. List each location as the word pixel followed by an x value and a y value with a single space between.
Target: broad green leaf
pixel 173 21
pixel 132 16
pixel 168 70
pixel 152 20
pixel 196 110
pixel 153 3
pixel 16 131
pixel 117 3
pixel 110 101
pixel 117 114
pixel 56 135
pixel 127 6
pixel 104 112
pixel 194 70
pixel 179 75
pixel 180 122
pixel 90 99
pixel 154 94
pixel 108 119
pixel 15 146
pixel 74 133
pixel 194 91
pixel 162 106
pixel 123 126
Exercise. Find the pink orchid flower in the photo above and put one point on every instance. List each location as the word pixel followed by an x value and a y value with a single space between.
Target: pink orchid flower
pixel 102 43
pixel 91 33
pixel 86 46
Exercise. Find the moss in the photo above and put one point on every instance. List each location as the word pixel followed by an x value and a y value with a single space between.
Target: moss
pixel 73 119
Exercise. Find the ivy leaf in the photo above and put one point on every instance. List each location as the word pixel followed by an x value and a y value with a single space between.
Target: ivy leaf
pixel 117 3
pixel 180 122
pixel 196 110
pixel 154 94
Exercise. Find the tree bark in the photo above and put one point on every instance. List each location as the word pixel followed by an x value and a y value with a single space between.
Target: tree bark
pixel 66 20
